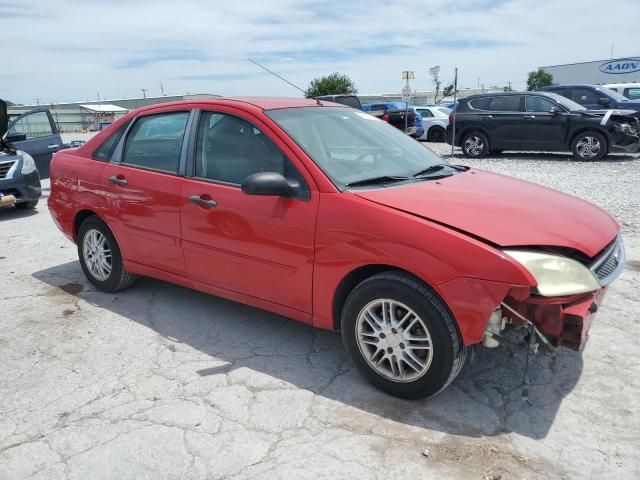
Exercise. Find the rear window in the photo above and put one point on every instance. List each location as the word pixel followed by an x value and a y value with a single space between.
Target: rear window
pixel 480 103
pixel 105 151
pixel 506 103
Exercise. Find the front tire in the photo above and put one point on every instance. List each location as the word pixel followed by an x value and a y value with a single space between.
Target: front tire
pixel 401 336
pixel 589 146
pixel 475 145
pixel 100 257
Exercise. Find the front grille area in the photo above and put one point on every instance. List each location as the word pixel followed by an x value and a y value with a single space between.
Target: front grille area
pixel 5 167
pixel 609 264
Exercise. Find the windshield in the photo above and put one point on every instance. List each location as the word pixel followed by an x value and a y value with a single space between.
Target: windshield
pixel 566 103
pixel 352 146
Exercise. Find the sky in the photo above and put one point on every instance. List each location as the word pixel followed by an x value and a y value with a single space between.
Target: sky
pixel 70 50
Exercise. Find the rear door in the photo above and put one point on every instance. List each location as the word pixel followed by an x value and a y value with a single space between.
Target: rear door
pixel 503 121
pixel 261 246
pixel 43 139
pixel 141 187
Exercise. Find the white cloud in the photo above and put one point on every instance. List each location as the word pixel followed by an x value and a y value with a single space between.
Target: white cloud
pixel 71 49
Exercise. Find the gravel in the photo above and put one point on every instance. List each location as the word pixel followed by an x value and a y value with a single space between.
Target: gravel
pixel 612 183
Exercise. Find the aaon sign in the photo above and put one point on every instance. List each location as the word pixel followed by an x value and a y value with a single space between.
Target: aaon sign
pixel 621 66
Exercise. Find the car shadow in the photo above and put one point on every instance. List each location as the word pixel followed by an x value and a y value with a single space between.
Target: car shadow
pixel 10 212
pixel 485 400
pixel 549 157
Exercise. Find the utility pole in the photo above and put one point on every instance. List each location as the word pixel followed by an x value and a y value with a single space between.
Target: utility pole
pixel 455 104
pixel 144 92
pixel 406 95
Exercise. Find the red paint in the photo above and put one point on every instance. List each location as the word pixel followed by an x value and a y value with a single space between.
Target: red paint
pixel 290 256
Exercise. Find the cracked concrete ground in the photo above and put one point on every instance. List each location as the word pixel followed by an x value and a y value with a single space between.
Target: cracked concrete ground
pixel 162 382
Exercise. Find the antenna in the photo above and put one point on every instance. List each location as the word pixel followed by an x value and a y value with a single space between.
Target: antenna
pixel 281 78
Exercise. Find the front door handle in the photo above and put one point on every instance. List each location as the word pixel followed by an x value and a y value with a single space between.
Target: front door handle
pixel 203 201
pixel 53 145
pixel 487 116
pixel 529 117
pixel 120 180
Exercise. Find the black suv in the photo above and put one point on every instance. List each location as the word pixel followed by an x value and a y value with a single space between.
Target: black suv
pixel 491 123
pixel 594 96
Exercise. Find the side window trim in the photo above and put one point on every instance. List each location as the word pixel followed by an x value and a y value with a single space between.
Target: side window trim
pixel 190 167
pixel 117 155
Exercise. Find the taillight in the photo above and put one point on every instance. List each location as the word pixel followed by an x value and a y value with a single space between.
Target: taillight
pixel 385 117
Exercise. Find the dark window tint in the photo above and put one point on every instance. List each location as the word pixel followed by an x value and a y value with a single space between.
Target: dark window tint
pixel 585 96
pixel 229 149
pixel 105 150
pixel 480 103
pixel 156 141
pixel 425 112
pixel 538 104
pixel 632 93
pixel 565 92
pixel 506 103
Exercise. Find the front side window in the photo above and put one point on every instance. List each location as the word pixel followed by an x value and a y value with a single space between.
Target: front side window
pixel 155 141
pixel 632 93
pixel 33 125
pixel 506 103
pixel 585 96
pixel 538 104
pixel 229 149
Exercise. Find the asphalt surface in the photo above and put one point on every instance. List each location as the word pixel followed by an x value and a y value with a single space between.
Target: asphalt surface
pixel 162 382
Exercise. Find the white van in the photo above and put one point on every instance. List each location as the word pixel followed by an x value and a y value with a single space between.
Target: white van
pixel 629 90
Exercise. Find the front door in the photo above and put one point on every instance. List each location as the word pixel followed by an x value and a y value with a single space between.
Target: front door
pixel 43 139
pixel 142 191
pixel 543 128
pixel 261 246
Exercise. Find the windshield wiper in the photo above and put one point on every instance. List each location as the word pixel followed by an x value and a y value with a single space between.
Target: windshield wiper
pixel 436 168
pixel 376 180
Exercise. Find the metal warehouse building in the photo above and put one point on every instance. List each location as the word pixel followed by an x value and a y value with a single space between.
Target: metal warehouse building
pixel 617 70
pixel 88 115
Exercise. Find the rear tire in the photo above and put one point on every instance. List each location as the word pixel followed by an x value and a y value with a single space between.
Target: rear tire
pixel 401 336
pixel 589 146
pixel 100 257
pixel 27 205
pixel 475 145
pixel 436 134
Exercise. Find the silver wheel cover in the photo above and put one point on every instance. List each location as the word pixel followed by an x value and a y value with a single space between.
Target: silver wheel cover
pixel 97 254
pixel 394 340
pixel 473 146
pixel 588 147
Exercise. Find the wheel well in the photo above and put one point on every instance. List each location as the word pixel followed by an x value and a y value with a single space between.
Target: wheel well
pixel 353 279
pixel 81 216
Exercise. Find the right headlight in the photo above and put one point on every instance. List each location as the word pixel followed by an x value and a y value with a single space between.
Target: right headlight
pixel 556 275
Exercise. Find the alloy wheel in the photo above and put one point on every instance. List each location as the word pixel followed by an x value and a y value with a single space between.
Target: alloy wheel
pixel 474 146
pixel 588 147
pixel 97 254
pixel 394 340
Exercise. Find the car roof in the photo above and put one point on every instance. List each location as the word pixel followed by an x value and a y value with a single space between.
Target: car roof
pixel 571 85
pixel 506 94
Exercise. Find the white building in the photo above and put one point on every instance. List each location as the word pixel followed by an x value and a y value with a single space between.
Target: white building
pixel 598 72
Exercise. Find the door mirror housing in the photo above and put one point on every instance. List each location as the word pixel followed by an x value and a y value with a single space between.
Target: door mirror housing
pixel 12 137
pixel 554 110
pixel 268 184
pixel 605 102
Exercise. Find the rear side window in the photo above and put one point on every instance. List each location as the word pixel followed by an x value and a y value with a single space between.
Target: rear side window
pixel 155 141
pixel 480 103
pixel 506 103
pixel 425 112
pixel 105 151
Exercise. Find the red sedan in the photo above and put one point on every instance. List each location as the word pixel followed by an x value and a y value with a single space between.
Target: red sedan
pixel 327 215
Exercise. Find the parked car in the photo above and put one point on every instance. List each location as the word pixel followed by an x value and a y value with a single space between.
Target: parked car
pixel 19 178
pixel 435 122
pixel 541 121
pixel 332 217
pixel 627 90
pixel 344 99
pixel 594 97
pixel 394 113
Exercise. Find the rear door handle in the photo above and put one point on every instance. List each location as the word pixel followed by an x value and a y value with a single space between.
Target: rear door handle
pixel 53 145
pixel 530 117
pixel 203 202
pixel 120 180
pixel 487 116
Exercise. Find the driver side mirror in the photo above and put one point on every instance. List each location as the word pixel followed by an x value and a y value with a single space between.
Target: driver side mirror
pixel 554 110
pixel 605 102
pixel 268 184
pixel 13 136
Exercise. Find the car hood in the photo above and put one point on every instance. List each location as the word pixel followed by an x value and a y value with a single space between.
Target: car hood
pixel 503 211
pixel 614 111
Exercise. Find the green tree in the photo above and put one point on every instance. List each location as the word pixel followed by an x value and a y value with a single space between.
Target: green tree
pixel 538 79
pixel 333 84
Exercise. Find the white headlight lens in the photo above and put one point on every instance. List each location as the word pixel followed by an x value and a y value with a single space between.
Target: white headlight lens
pixel 556 275
pixel 28 165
